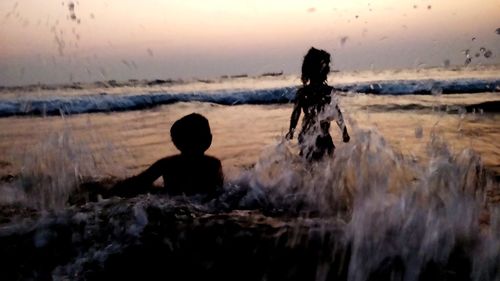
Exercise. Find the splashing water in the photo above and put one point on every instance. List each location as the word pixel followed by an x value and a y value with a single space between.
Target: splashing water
pixel 400 216
pixel 53 170
pixel 395 218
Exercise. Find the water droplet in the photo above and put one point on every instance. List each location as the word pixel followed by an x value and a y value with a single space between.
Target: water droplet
pixel 468 58
pixel 498 31
pixel 462 111
pixel 482 50
pixel 102 71
pixel 419 132
pixel 437 91
pixel 126 63
pixel 473 38
pixel 488 54
pixel 343 40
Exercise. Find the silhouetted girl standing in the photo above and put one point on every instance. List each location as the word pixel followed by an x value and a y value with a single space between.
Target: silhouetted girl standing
pixel 315 100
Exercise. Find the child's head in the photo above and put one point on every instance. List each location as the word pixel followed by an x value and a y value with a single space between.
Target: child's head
pixel 316 66
pixel 191 134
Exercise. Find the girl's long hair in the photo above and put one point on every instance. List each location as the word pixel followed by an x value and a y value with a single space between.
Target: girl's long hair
pixel 315 66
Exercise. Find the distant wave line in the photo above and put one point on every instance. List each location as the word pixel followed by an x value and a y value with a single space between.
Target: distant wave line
pixel 113 102
pixel 424 87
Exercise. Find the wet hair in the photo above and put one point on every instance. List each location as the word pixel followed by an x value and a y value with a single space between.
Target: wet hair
pixel 191 134
pixel 315 66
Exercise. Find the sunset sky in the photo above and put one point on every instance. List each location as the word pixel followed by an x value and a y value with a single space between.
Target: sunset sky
pixel 88 40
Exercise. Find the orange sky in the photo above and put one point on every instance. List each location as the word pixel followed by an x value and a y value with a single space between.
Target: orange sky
pixel 121 39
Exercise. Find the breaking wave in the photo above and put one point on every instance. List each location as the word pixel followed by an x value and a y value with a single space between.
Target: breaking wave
pixel 104 102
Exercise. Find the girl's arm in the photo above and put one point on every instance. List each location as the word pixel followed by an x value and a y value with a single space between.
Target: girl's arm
pixel 340 122
pixel 339 119
pixel 294 119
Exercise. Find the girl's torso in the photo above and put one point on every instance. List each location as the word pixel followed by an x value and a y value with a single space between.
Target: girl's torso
pixel 313 99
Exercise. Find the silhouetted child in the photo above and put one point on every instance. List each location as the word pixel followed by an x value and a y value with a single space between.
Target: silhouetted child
pixel 190 172
pixel 315 100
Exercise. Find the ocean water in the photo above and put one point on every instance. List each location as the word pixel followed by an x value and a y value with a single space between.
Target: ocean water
pixel 413 196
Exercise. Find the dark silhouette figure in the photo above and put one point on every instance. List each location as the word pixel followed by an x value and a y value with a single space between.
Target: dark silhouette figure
pixel 314 98
pixel 190 172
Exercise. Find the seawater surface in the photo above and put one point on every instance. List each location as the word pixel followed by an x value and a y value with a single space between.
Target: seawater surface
pixel 412 196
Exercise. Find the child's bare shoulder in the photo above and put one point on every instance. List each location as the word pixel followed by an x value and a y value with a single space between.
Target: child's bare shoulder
pixel 211 160
pixel 172 160
pixel 168 161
